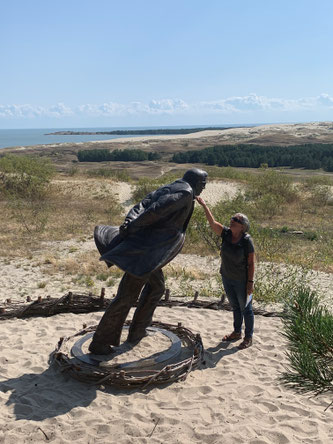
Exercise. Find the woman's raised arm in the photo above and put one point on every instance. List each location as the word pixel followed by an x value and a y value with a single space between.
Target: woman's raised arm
pixel 215 226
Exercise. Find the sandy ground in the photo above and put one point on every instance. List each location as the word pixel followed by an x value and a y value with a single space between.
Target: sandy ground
pixel 235 397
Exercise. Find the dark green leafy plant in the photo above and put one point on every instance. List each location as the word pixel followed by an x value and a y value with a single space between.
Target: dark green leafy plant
pixel 308 326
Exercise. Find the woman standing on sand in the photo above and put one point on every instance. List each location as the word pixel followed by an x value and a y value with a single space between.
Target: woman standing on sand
pixel 237 270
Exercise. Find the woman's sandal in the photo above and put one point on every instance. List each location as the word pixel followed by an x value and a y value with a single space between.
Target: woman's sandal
pixel 247 342
pixel 232 337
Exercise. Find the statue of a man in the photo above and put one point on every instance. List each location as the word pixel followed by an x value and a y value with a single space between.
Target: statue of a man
pixel 151 236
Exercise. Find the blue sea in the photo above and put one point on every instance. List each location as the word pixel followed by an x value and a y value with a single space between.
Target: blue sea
pixel 37 136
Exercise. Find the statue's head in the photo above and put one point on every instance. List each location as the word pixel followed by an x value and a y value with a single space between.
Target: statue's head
pixel 197 179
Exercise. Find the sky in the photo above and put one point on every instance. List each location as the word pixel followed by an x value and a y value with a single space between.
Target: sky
pixel 106 63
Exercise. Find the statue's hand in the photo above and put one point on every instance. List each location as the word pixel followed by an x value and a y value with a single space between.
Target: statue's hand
pixel 123 229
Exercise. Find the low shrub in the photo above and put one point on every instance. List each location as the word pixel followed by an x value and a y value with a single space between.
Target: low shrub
pixel 119 175
pixel 147 185
pixel 25 184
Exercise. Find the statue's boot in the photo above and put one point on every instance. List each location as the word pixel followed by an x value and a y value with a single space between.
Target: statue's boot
pixel 100 349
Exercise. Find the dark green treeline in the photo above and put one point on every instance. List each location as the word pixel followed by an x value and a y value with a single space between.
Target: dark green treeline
pixel 310 156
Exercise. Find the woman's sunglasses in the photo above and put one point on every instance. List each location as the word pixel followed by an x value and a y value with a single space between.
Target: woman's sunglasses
pixel 235 219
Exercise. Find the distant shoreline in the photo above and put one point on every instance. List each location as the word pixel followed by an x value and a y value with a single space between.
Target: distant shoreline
pixel 147 132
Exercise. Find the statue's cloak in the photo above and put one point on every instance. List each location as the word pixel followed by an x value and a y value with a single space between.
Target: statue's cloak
pixel 155 233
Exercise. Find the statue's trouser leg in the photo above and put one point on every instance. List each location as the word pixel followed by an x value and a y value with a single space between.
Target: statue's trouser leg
pixel 151 294
pixel 109 329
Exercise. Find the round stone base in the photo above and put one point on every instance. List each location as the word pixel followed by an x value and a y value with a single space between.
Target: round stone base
pixel 129 356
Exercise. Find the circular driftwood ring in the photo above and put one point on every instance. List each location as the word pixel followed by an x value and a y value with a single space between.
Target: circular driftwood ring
pixel 132 377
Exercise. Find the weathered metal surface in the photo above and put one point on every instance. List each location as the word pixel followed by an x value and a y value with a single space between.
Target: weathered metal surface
pixel 156 359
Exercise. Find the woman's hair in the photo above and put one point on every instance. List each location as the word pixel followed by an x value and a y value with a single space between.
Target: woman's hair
pixel 246 223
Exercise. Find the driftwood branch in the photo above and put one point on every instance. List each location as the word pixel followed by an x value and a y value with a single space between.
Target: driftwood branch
pixel 87 303
pixel 131 377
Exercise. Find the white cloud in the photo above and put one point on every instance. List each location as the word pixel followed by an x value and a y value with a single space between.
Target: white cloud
pixel 251 103
pixel 325 100
pixel 105 109
pixel 30 111
pixel 20 111
pixel 167 105
pixel 58 110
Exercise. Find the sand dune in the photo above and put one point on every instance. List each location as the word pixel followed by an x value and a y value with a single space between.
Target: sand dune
pixel 235 397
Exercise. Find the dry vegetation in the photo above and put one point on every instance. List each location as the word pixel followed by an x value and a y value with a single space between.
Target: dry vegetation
pixel 279 212
pixel 291 213
pixel 72 209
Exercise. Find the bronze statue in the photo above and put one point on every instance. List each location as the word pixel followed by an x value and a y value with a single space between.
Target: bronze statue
pixel 151 236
